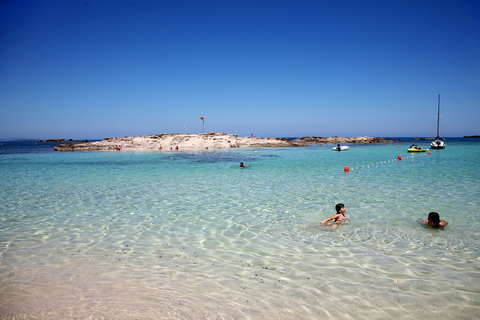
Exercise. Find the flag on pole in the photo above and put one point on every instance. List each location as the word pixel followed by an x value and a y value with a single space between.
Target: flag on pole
pixel 202 118
pixel 203 123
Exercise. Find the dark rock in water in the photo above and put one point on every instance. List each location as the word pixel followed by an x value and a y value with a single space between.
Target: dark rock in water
pixel 476 136
pixel 82 147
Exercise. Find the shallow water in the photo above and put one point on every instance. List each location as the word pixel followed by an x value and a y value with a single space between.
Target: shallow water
pixel 178 234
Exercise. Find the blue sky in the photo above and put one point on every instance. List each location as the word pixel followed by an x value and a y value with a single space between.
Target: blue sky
pixel 95 69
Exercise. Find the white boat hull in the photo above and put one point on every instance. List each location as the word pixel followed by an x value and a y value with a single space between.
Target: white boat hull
pixel 438 144
pixel 342 148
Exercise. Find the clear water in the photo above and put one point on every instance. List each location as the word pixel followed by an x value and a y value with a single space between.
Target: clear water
pixel 173 234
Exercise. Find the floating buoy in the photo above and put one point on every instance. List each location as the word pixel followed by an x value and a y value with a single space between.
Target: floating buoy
pixel 428 152
pixel 346 169
pixel 399 158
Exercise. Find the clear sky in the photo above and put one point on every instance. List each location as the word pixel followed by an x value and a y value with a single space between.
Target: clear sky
pixel 93 69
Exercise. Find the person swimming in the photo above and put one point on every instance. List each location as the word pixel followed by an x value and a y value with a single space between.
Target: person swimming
pixel 339 217
pixel 242 165
pixel 434 221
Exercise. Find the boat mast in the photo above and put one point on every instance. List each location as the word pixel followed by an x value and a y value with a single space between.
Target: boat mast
pixel 438 118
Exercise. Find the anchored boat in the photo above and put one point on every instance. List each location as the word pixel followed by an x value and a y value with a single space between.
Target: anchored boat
pixel 438 143
pixel 340 148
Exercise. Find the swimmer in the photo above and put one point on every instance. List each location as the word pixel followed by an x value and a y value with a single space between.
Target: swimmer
pixel 434 221
pixel 242 165
pixel 338 217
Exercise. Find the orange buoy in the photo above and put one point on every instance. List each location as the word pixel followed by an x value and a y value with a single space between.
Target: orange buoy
pixel 428 152
pixel 346 169
pixel 399 158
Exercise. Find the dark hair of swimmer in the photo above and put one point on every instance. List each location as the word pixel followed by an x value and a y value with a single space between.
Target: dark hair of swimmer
pixel 339 207
pixel 434 218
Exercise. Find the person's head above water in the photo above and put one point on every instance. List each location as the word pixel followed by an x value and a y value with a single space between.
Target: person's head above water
pixel 435 221
pixel 434 218
pixel 339 207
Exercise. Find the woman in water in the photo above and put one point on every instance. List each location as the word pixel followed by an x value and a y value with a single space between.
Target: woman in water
pixel 339 216
pixel 434 221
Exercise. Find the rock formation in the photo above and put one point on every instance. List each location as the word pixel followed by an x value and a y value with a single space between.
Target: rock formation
pixel 211 140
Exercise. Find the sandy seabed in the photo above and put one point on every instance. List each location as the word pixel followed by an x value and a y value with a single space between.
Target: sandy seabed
pixel 193 287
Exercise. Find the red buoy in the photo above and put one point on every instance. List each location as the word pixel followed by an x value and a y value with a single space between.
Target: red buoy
pixel 346 169
pixel 428 152
pixel 399 158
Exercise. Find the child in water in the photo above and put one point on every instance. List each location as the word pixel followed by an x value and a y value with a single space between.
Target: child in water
pixel 339 216
pixel 434 221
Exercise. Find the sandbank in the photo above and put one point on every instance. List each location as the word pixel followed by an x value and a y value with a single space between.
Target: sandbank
pixel 211 140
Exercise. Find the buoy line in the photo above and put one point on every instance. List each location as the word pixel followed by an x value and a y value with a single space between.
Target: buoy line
pixel 399 158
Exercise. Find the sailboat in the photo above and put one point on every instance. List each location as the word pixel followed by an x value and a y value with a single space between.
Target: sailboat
pixel 438 143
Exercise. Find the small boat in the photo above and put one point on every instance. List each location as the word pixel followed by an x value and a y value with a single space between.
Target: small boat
pixel 340 148
pixel 415 148
pixel 438 143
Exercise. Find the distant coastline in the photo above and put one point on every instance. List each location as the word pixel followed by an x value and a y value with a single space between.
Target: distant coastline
pixel 211 140
pixel 430 138
pixel 477 136
pixel 62 140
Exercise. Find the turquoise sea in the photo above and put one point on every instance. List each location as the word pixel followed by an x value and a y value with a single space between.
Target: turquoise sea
pixel 190 235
